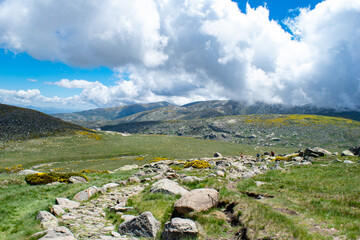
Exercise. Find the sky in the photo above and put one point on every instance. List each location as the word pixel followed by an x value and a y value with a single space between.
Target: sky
pixel 88 54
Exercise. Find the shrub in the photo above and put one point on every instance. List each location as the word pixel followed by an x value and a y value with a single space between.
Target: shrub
pixel 45 178
pixel 10 170
pixel 197 164
pixel 93 171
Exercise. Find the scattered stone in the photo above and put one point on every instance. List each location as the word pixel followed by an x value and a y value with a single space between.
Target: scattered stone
pixel 53 183
pixel 86 194
pixel 158 177
pixel 190 179
pixel 66 203
pixel 337 161
pixel 179 228
pixel 212 175
pixel 47 220
pixel 348 161
pixel 57 210
pixel 140 174
pixel 115 234
pixel 134 180
pixel 259 183
pixel 347 153
pixel 127 168
pixel 58 233
pixel 27 172
pixel 145 180
pixel 171 175
pixel 120 208
pixel 145 225
pixel 355 150
pixel 123 183
pixel 77 179
pixel 108 186
pixel 168 187
pixel 217 155
pixel 298 159
pixel 220 173
pixel 197 200
pixel 306 163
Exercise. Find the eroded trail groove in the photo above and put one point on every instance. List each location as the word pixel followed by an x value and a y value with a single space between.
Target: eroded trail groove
pixel 89 220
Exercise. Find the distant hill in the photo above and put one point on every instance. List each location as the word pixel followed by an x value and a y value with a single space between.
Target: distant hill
pixel 283 130
pixel 89 117
pixel 21 123
pixel 218 108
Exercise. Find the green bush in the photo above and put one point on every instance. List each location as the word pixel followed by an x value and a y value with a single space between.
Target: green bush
pixel 45 178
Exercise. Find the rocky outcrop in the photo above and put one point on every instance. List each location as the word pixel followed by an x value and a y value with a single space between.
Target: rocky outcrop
pixel 86 194
pixel 66 204
pixel 197 200
pixel 145 225
pixel 355 150
pixel 179 228
pixel 58 233
pixel 48 221
pixel 347 153
pixel 77 179
pixel 168 187
pixel 316 152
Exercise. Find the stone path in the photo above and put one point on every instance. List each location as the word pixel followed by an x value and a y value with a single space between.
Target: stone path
pixel 89 220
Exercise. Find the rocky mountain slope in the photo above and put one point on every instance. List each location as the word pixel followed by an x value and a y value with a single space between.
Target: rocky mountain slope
pixel 262 130
pixel 21 123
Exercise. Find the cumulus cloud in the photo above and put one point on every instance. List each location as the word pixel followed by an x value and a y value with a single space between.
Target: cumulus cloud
pixel 189 50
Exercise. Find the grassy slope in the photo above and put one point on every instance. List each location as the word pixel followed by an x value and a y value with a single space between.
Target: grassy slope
pixel 113 151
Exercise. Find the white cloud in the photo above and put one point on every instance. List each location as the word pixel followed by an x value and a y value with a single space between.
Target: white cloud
pixel 189 50
pixel 32 80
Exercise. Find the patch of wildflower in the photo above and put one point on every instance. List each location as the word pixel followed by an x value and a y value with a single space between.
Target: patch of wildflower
pixel 197 164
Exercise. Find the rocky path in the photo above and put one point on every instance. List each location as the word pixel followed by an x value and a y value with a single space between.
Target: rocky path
pixel 89 220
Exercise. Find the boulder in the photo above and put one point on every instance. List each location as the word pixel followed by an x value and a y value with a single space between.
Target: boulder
pixel 316 152
pixel 179 228
pixel 190 179
pixel 348 161
pixel 120 208
pixel 168 187
pixel 77 179
pixel 134 180
pixel 86 194
pixel 48 221
pixel 27 172
pixel 66 204
pixel 109 186
pixel 145 225
pixel 217 155
pixel 220 173
pixel 58 233
pixel 197 200
pixel 355 150
pixel 347 153
pixel 57 210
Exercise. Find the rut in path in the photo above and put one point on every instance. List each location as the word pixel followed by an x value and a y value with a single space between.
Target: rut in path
pixel 89 222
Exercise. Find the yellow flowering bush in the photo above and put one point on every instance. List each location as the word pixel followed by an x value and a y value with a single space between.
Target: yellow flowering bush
pixel 45 178
pixel 93 171
pixel 197 164
pixel 9 170
pixel 90 135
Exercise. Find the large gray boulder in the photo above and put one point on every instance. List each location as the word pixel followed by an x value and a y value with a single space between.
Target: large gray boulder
pixel 58 233
pixel 77 179
pixel 347 153
pixel 144 225
pixel 179 228
pixel 316 152
pixel 66 204
pixel 355 150
pixel 57 210
pixel 48 221
pixel 86 194
pixel 197 200
pixel 109 186
pixel 168 187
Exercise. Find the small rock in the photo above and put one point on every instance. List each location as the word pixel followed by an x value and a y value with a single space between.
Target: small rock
pixel 66 203
pixel 77 179
pixel 212 175
pixel 337 161
pixel 127 217
pixel 220 173
pixel 145 225
pixel 158 177
pixel 122 183
pixel 348 161
pixel 145 180
pixel 190 179
pixel 217 155
pixel 109 186
pixel 179 228
pixel 120 208
pixel 134 180
pixel 168 187
pixel 259 183
pixel 306 163
pixel 27 172
pixel 197 200
pixel 86 194
pixel 127 167
pixel 57 210
pixel 47 220
pixel 140 174
pixel 58 233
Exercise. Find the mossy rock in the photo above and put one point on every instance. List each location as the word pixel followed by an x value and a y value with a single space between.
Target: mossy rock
pixel 45 178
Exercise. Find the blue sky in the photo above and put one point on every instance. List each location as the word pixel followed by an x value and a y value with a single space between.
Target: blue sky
pixel 182 62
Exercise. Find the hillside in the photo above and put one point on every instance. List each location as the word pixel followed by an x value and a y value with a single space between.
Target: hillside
pixel 262 130
pixel 21 123
pixel 89 117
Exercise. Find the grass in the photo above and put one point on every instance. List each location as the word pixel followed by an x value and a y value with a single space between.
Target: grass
pixel 78 152
pixel 21 202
